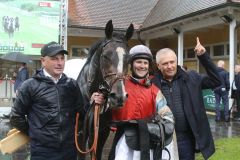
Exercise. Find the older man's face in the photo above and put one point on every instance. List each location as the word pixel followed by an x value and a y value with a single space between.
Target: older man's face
pixel 168 65
pixel 54 65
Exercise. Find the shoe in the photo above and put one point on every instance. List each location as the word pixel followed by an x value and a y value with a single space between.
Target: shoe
pixel 237 119
pixel 227 120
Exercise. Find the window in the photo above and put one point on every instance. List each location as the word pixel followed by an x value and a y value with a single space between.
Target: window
pixel 207 49
pixel 218 50
pixel 78 51
pixel 191 53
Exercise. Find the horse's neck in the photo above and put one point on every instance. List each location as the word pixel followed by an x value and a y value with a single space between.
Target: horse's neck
pixel 94 79
pixel 86 85
pixel 94 73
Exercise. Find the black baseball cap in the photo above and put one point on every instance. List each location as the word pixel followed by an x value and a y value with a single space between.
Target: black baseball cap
pixel 51 49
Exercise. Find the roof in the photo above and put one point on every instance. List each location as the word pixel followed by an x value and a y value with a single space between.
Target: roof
pixel 97 12
pixel 167 10
pixel 142 13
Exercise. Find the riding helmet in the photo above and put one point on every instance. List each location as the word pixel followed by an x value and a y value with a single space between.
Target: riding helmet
pixel 140 51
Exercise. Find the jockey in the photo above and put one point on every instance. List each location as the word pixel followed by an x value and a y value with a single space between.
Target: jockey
pixel 141 120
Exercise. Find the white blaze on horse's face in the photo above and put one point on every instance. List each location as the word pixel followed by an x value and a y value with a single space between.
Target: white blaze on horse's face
pixel 120 52
pixel 118 93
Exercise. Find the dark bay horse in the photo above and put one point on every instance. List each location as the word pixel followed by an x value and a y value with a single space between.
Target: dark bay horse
pixel 17 24
pixel 104 71
pixel 11 29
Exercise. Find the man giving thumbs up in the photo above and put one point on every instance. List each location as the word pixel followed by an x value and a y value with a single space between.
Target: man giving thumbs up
pixel 183 91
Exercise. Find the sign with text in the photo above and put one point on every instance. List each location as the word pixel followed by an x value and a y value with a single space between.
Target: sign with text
pixel 209 99
pixel 28 25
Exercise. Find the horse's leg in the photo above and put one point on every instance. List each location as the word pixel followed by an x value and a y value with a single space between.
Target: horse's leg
pixel 101 142
pixel 103 133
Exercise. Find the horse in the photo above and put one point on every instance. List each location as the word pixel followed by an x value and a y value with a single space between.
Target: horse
pixel 17 24
pixel 11 28
pixel 104 71
pixel 5 22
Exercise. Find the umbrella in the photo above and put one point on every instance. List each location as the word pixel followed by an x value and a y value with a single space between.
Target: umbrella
pixel 16 57
pixel 73 67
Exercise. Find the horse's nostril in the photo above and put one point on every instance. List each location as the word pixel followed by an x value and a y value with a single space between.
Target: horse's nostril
pixel 112 95
pixel 126 95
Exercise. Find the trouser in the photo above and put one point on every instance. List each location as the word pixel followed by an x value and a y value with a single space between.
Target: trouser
pixel 64 153
pixel 224 97
pixel 186 146
pixel 238 105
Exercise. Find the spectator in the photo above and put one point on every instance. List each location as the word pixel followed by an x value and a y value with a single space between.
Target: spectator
pixel 45 108
pixel 234 94
pixel 144 101
pixel 221 93
pixel 22 75
pixel 237 93
pixel 183 91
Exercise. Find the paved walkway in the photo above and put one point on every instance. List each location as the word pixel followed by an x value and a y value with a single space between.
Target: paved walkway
pixel 219 130
pixel 224 129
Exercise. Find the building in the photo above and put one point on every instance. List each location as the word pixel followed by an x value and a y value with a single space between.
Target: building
pixel 161 23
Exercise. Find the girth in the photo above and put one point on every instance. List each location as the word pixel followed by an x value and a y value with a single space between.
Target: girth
pixel 143 136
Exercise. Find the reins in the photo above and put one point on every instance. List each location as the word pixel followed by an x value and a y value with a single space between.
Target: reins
pixel 104 88
pixel 93 148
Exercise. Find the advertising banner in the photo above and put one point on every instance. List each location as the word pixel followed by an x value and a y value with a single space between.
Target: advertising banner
pixel 209 100
pixel 28 24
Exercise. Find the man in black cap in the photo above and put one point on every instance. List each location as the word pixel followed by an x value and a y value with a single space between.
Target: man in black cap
pixel 46 106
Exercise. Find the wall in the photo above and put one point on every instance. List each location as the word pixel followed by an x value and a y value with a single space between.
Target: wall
pixel 207 36
pixel 88 41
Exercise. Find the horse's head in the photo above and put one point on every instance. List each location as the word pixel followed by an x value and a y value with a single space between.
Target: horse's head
pixel 113 64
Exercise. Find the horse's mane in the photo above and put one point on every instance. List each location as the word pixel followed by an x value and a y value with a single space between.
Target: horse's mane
pixel 93 49
pixel 95 46
pixel 91 52
pixel 118 35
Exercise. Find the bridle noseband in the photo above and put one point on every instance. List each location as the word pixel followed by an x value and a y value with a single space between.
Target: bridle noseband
pixel 106 86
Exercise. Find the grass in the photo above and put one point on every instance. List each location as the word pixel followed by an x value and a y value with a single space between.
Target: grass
pixel 226 149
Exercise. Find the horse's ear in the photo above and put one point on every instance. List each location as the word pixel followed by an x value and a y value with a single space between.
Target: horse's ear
pixel 129 32
pixel 109 29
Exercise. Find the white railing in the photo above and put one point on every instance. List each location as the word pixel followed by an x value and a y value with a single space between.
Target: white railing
pixel 6 88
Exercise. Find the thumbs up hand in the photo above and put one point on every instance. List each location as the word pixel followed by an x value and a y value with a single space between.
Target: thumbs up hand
pixel 199 49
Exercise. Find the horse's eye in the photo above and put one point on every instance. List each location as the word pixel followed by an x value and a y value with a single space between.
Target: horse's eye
pixel 107 56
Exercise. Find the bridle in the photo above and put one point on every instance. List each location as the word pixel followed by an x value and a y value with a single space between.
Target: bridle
pixel 105 87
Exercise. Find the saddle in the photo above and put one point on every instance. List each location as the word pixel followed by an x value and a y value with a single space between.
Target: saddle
pixel 143 135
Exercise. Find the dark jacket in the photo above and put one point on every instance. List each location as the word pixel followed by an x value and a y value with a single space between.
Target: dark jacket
pixel 22 75
pixel 50 110
pixel 224 79
pixel 237 82
pixel 192 99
